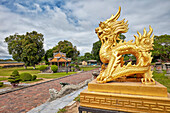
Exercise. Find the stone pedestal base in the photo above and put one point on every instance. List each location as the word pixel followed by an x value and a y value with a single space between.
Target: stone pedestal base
pixel 135 88
pixel 117 97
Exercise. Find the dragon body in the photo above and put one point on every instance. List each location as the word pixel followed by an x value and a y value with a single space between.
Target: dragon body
pixel 113 48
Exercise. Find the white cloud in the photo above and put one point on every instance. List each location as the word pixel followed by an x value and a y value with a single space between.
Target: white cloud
pixel 76 20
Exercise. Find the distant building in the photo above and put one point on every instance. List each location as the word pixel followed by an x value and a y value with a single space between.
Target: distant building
pixel 92 62
pixel 59 59
pixel 84 63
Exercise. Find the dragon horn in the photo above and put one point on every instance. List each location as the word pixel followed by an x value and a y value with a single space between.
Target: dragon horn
pixel 114 17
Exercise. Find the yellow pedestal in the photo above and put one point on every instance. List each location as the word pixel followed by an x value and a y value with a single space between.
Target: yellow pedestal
pixel 126 96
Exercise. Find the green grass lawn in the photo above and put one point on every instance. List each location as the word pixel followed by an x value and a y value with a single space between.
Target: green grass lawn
pixel 88 68
pixel 54 75
pixel 6 72
pixel 3 78
pixel 161 78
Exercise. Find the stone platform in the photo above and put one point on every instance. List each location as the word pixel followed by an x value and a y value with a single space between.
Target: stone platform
pixel 126 96
pixel 135 88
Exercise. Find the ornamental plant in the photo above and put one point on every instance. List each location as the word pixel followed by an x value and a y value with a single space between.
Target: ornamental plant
pixel 43 67
pixel 26 77
pixel 63 65
pixel 34 77
pixel 14 79
pixel 77 67
pixel 54 68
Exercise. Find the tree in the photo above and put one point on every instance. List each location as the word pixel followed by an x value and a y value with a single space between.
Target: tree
pixel 95 50
pixel 161 48
pixel 27 48
pixel 97 45
pixel 80 58
pixel 88 56
pixel 15 46
pixel 65 47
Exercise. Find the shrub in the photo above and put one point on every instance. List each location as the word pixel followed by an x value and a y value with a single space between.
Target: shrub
pixel 14 79
pixel 72 65
pixel 73 69
pixel 1 84
pixel 77 66
pixel 15 72
pixel 43 67
pixel 54 68
pixel 26 77
pixel 34 77
pixel 63 65
pixel 47 63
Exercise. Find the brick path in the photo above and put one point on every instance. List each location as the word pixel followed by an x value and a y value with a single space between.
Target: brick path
pixel 24 100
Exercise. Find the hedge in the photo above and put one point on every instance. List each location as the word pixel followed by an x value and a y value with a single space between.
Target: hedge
pixel 54 68
pixel 26 77
pixel 43 67
pixel 34 77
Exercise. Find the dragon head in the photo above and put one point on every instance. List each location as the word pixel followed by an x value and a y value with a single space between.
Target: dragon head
pixel 110 29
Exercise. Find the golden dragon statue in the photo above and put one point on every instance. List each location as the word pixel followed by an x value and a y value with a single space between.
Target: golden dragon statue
pixel 111 52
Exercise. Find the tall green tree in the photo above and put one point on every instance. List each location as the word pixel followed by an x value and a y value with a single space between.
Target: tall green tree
pixel 80 58
pixel 65 47
pixel 15 46
pixel 161 48
pixel 88 56
pixel 95 50
pixel 27 48
pixel 32 48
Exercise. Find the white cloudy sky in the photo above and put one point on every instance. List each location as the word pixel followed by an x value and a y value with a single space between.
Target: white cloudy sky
pixel 76 20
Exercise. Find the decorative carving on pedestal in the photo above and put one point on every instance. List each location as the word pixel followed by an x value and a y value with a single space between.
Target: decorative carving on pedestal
pixel 126 103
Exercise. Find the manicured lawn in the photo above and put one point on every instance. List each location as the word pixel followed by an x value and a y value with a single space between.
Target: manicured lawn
pixel 161 78
pixel 3 78
pixel 54 75
pixel 6 72
pixel 87 68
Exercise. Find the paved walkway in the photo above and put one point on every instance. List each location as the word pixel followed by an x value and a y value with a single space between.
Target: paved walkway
pixel 21 101
pixel 54 106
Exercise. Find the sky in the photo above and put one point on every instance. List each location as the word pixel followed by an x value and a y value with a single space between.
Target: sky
pixel 76 20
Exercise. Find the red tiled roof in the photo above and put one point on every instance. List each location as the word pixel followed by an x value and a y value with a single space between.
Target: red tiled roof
pixel 53 60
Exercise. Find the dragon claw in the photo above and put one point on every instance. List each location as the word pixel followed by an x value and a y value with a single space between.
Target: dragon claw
pixel 148 81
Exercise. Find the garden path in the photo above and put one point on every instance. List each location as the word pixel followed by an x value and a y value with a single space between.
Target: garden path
pixel 23 100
